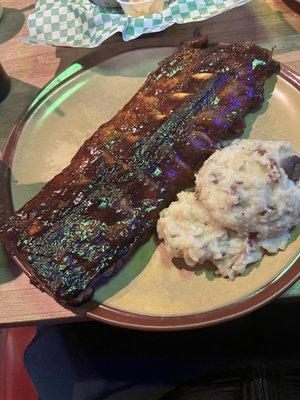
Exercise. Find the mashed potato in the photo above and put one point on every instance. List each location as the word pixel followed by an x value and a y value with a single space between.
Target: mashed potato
pixel 245 188
pixel 189 232
pixel 247 198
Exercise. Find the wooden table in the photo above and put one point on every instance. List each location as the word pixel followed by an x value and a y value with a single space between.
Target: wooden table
pixel 267 22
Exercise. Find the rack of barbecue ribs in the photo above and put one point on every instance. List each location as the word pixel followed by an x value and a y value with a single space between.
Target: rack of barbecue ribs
pixel 98 210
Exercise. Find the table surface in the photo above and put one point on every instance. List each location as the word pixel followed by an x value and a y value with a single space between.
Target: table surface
pixel 269 23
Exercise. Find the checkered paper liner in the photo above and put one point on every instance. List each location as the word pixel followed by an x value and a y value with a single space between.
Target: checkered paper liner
pixel 80 23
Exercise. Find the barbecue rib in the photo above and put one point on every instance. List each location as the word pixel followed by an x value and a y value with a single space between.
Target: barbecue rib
pixel 107 201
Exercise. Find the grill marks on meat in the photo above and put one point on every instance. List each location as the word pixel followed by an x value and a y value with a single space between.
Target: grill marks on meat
pixel 106 202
